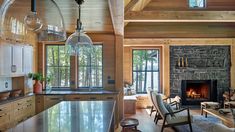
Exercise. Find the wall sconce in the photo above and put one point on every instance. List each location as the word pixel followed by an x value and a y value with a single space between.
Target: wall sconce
pixel 182 62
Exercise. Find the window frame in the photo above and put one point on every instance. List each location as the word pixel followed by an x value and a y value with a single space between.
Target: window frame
pixel 102 67
pixel 159 67
pixel 46 67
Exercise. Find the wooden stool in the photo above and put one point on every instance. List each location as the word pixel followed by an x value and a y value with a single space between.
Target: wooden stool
pixel 206 105
pixel 129 123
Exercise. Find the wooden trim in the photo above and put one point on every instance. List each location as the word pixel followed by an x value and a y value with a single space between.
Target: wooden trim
pixel 160 61
pixel 180 16
pixel 130 5
pixel 117 15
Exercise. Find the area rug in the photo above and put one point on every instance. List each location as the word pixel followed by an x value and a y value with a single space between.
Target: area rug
pixel 199 124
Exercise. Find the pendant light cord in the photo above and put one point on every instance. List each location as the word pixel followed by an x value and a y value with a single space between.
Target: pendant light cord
pixel 79 23
pixel 33 5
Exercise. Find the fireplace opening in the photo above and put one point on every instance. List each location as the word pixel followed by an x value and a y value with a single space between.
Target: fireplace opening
pixel 196 91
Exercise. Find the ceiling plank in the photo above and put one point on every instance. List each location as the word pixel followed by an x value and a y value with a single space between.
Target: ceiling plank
pixel 180 16
pixel 130 5
pixel 116 9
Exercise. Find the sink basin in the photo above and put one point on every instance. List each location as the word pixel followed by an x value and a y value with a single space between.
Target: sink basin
pixel 16 93
pixel 4 95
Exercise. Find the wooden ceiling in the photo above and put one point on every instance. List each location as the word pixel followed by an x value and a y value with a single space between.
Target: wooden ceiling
pixel 174 19
pixel 95 14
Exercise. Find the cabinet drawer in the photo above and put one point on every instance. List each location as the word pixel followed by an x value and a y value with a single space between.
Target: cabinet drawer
pixel 75 97
pixel 6 108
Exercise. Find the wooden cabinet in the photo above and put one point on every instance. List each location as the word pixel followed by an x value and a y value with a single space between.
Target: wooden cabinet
pixel 14 112
pixel 50 100
pixel 46 101
pixel 23 109
pixel 5 116
pixel 89 97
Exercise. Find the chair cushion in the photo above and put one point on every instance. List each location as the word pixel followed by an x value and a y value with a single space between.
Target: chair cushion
pixel 180 117
pixel 169 108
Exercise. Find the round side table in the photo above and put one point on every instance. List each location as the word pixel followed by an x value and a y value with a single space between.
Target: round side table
pixel 129 123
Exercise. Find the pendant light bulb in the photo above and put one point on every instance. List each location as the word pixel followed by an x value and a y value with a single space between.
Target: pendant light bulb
pixel 33 22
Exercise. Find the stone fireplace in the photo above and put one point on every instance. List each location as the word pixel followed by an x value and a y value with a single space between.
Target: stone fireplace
pixel 196 91
pixel 198 63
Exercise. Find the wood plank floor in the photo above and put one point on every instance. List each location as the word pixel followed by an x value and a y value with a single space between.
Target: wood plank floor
pixel 146 123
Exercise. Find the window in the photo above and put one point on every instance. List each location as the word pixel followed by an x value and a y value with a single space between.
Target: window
pixel 145 69
pixel 90 65
pixel 58 65
pixel 197 3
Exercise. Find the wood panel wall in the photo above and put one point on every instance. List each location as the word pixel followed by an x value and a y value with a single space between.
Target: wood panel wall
pixel 183 5
pixel 165 43
pixel 180 30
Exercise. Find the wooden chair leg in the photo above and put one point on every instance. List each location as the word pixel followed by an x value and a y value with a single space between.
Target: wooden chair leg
pixel 201 110
pixel 155 118
pixel 151 111
pixel 190 126
pixel 163 125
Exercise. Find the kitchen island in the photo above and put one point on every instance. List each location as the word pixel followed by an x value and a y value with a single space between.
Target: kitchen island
pixel 72 116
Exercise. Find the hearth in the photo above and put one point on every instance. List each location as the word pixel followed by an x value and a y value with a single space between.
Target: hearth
pixel 196 91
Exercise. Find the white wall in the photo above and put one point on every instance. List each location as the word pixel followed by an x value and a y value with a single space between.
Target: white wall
pixel 3 81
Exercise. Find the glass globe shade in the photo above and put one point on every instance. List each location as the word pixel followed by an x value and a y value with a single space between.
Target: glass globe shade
pixel 16 23
pixel 33 22
pixel 77 41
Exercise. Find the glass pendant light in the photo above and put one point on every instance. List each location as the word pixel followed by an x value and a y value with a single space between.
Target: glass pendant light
pixel 16 21
pixel 78 40
pixel 32 21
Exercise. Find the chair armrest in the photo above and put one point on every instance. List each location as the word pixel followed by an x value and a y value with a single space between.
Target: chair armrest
pixel 174 103
pixel 178 111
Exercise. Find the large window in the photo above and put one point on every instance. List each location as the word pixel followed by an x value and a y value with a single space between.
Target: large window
pixel 197 3
pixel 58 65
pixel 90 67
pixel 145 69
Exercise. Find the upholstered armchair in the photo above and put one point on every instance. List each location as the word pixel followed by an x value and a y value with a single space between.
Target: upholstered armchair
pixel 170 117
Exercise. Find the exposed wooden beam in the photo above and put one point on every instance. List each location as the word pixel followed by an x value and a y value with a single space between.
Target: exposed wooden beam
pixel 180 16
pixel 130 5
pixel 116 9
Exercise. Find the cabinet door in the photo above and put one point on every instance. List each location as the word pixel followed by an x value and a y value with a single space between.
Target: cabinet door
pixel 49 101
pixel 28 59
pixel 17 59
pixel 5 59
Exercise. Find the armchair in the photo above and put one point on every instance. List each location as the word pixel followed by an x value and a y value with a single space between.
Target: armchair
pixel 170 117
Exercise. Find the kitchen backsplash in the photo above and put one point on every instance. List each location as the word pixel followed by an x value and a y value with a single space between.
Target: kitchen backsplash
pixel 5 84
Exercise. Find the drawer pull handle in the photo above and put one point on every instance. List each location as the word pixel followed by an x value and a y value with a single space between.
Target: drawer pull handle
pixel 109 98
pixel 0 109
pixel 92 98
pixel 56 99
pixel 77 98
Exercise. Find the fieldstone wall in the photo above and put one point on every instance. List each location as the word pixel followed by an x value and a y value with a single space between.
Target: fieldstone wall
pixel 199 63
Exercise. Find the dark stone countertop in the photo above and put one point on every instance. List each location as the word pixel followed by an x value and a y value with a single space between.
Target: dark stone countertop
pixel 11 99
pixel 72 116
pixel 81 91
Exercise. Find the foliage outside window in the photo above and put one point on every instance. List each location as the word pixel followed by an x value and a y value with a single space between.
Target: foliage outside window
pixel 197 3
pixel 145 70
pixel 90 67
pixel 58 66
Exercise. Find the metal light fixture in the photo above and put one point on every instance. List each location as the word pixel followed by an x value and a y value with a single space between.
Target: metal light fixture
pixel 32 21
pixel 78 40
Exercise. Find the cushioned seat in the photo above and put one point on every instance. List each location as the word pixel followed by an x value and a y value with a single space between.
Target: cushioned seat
pixel 206 105
pixel 170 117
